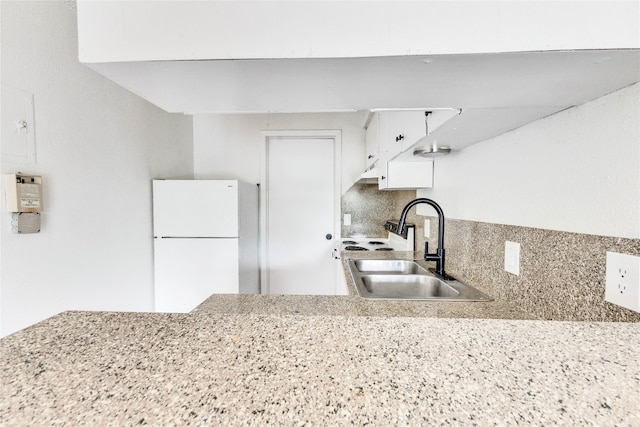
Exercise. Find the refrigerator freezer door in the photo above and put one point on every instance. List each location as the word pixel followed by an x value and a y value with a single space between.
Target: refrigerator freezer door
pixel 188 208
pixel 188 271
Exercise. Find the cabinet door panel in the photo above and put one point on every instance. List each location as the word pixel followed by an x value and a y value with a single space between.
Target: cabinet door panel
pixel 413 128
pixel 372 141
pixel 409 174
pixel 393 136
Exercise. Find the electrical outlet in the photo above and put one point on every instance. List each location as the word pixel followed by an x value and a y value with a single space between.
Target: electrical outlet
pixel 512 257
pixel 347 219
pixel 623 280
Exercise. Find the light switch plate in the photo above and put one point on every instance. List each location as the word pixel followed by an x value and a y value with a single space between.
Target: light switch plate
pixel 347 219
pixel 512 257
pixel 17 126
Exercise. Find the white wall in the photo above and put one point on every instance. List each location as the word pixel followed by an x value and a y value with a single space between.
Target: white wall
pixel 147 30
pixel 576 171
pixel 229 146
pixel 98 147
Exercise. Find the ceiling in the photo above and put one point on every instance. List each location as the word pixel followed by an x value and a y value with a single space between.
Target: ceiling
pixel 496 92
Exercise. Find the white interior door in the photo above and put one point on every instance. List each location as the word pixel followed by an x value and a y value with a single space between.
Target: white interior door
pixel 301 213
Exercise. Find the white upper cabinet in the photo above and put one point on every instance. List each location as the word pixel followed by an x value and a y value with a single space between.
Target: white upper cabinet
pixel 392 133
pixel 398 130
pixel 405 128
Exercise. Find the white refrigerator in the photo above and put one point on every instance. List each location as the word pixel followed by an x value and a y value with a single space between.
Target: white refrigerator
pixel 205 235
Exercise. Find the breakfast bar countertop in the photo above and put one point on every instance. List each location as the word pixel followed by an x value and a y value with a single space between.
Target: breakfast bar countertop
pixel 93 368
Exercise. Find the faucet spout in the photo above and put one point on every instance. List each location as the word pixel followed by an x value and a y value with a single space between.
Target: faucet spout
pixel 439 256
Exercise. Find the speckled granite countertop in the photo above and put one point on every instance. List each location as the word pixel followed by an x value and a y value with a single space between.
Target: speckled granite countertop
pixel 313 360
pixel 353 305
pixel 83 368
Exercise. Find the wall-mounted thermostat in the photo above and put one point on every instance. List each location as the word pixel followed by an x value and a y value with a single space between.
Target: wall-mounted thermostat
pixel 24 199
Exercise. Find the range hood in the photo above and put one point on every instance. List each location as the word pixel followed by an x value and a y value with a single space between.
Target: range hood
pixel 369 176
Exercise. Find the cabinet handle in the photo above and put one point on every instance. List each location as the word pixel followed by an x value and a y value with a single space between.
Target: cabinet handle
pixel 370 156
pixel 382 177
pixel 399 138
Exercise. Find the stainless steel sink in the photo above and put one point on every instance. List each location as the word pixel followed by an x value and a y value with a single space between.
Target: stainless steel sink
pixel 407 280
pixel 407 286
pixel 398 266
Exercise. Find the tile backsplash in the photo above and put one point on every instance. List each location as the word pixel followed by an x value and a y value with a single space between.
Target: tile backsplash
pixel 562 275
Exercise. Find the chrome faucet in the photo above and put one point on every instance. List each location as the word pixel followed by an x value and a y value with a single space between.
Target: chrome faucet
pixel 438 257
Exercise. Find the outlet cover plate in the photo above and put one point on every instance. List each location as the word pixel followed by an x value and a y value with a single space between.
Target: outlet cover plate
pixel 512 257
pixel 623 280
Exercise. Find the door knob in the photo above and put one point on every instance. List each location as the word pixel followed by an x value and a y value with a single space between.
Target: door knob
pixel 329 236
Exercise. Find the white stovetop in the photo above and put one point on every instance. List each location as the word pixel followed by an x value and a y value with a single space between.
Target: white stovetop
pixel 391 241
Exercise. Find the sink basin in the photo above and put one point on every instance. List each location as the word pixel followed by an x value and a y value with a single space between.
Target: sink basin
pixel 399 266
pixel 407 286
pixel 407 280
